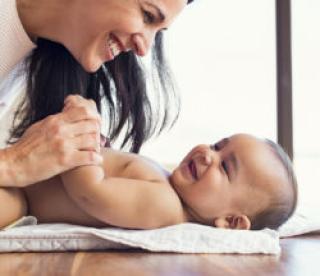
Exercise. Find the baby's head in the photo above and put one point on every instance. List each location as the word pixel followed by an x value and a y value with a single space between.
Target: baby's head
pixel 241 182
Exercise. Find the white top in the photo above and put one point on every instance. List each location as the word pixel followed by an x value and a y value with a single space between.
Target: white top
pixel 15 44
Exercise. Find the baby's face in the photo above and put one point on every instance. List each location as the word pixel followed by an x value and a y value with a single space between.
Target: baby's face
pixel 235 175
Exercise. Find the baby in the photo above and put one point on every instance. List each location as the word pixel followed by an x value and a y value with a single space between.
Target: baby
pixel 241 182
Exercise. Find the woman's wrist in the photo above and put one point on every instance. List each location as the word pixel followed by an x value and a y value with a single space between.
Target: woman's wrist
pixel 6 175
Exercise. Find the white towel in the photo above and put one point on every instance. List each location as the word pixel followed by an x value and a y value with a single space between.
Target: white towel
pixel 183 238
pixel 25 236
pixel 301 223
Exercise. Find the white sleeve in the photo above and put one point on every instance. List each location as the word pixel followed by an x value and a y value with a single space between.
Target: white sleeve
pixel 14 41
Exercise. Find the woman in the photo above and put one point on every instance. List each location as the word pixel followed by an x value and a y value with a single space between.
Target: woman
pixel 79 47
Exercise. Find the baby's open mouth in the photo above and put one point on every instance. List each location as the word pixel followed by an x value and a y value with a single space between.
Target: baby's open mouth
pixel 193 169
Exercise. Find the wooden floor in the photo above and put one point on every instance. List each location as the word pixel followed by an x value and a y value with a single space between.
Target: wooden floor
pixel 300 256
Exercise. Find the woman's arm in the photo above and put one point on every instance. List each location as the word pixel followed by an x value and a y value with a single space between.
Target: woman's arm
pixel 122 202
pixel 49 147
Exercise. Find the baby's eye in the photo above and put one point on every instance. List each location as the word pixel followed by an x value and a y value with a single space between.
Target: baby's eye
pixel 148 17
pixel 225 167
pixel 220 145
pixel 215 147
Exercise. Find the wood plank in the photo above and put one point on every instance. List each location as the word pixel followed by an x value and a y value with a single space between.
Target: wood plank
pixel 294 260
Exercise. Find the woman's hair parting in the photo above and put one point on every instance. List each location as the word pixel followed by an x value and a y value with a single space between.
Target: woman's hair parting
pixel 53 74
pixel 282 206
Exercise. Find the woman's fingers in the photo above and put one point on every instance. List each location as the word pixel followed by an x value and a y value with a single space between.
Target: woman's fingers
pixel 76 100
pixel 84 116
pixel 83 158
pixel 81 112
pixel 56 144
pixel 84 127
pixel 38 156
pixel 84 119
pixel 77 108
pixel 86 142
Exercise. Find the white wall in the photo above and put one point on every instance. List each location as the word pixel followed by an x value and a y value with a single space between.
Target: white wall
pixel 223 57
pixel 306 85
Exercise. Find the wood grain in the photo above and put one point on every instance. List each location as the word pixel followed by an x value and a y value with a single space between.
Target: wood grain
pixel 300 256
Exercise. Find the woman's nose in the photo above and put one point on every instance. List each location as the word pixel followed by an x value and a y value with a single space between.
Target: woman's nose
pixel 142 42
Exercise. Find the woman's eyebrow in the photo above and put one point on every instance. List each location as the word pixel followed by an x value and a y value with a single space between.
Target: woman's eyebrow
pixel 160 13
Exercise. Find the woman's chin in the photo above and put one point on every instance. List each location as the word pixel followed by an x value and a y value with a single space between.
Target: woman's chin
pixel 91 65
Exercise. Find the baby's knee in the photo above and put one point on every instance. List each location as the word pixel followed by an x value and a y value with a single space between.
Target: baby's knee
pixel 13 205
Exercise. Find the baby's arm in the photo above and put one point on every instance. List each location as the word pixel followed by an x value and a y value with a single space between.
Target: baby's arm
pixel 122 202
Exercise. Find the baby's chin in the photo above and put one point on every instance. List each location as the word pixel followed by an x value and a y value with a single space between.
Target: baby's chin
pixel 174 182
pixel 171 179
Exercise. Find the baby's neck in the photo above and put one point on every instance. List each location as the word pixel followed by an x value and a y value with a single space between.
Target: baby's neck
pixel 187 213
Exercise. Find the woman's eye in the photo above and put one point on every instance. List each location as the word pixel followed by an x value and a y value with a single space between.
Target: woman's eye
pixel 148 17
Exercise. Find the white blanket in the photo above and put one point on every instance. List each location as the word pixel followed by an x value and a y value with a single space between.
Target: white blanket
pixel 302 222
pixel 183 238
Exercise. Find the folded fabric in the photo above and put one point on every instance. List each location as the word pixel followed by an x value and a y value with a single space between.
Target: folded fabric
pixel 301 223
pixel 182 238
pixel 25 236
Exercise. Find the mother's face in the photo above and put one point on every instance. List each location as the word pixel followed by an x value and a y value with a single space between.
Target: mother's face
pixel 100 30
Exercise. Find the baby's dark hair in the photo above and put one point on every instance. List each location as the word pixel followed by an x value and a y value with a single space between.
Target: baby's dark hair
pixel 281 207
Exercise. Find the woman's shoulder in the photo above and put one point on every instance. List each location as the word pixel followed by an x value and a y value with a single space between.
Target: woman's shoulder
pixel 13 36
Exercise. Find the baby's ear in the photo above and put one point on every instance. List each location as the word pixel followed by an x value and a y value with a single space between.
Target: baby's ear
pixel 233 222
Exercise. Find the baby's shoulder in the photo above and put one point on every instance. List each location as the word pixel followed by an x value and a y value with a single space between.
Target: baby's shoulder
pixel 143 168
pixel 134 166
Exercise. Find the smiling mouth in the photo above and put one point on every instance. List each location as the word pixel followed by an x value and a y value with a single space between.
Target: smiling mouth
pixel 193 169
pixel 114 45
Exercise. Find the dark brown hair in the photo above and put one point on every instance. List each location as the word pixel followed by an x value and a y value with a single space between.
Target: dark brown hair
pixel 53 74
pixel 281 207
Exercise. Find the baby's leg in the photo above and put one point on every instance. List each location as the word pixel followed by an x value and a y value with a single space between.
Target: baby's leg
pixel 13 205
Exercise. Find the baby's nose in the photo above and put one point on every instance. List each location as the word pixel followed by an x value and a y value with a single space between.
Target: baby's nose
pixel 206 159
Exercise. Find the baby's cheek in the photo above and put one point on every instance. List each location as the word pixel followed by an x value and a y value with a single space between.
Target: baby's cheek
pixel 176 178
pixel 212 181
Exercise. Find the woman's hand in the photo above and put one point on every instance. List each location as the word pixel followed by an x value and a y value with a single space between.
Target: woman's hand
pixel 57 143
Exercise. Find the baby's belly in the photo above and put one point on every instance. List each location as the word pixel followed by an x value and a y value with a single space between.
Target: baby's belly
pixel 49 202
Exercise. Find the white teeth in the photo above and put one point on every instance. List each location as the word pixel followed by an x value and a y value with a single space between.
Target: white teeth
pixel 114 47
